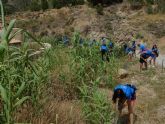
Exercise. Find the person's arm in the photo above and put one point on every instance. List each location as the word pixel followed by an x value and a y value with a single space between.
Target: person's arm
pixel 143 59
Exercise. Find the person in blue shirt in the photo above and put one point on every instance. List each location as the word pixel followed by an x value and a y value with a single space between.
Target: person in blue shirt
pixel 128 51
pixel 134 47
pixel 111 46
pixel 81 41
pixel 103 40
pixel 125 45
pixel 65 40
pixel 156 52
pixel 104 52
pixel 144 56
pixel 142 47
pixel 125 94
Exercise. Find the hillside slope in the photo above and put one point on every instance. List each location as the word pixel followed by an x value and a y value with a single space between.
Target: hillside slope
pixel 118 22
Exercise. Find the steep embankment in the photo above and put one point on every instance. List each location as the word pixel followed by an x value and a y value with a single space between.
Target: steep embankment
pixel 118 22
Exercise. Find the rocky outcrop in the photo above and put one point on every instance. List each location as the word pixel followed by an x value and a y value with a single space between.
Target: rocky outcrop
pixel 123 73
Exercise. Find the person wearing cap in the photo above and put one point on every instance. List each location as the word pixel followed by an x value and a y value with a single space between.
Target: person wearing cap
pixel 125 94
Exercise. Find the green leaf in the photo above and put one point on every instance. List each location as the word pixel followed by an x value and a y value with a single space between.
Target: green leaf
pixel 3 32
pixel 3 94
pixel 33 38
pixel 17 32
pixel 22 87
pixel 9 29
pixel 21 101
pixel 2 14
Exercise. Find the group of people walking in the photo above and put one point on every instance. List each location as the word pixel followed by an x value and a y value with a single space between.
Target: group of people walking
pixel 146 55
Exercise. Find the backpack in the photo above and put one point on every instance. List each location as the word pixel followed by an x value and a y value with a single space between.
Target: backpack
pixel 132 86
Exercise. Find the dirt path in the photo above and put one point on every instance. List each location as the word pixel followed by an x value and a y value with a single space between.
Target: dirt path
pixel 161 60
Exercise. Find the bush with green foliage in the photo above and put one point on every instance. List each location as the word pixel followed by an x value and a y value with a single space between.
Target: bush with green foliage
pixel 44 4
pixel 35 6
pixel 99 9
pixel 96 107
pixel 21 76
pixel 104 2
pixel 161 6
pixel 149 9
pixel 136 4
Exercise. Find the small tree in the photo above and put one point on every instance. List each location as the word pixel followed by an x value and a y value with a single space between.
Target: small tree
pixel 44 5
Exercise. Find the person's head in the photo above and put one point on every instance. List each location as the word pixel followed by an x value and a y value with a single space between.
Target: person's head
pixel 155 54
pixel 133 42
pixel 118 94
pixel 154 46
pixel 138 44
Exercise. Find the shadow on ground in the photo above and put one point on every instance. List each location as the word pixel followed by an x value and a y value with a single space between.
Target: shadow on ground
pixel 124 119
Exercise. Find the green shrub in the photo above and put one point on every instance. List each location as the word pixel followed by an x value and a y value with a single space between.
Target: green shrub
pixel 104 2
pixel 62 3
pixel 35 6
pixel 149 9
pixel 44 4
pixel 96 107
pixel 150 1
pixel 99 9
pixel 161 6
pixel 136 4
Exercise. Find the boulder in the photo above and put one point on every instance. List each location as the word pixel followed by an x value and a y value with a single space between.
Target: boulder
pixel 123 73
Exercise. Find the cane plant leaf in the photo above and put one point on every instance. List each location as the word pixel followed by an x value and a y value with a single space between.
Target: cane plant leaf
pixel 21 88
pixel 22 100
pixel 10 29
pixel 3 94
pixel 16 33
pixel 2 14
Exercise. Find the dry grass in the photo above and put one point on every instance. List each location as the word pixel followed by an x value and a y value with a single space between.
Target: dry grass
pixel 65 112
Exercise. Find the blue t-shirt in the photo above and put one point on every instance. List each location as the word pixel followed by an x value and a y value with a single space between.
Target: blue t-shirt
pixel 128 49
pixel 142 47
pixel 127 90
pixel 111 44
pixel 104 47
pixel 65 39
pixel 155 50
pixel 149 53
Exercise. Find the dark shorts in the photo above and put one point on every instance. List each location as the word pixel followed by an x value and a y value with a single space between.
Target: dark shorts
pixel 121 102
pixel 103 51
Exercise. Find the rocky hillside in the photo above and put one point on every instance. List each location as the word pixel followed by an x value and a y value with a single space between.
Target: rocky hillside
pixel 118 22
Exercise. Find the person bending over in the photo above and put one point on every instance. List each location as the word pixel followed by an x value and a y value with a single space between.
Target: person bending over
pixel 125 94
